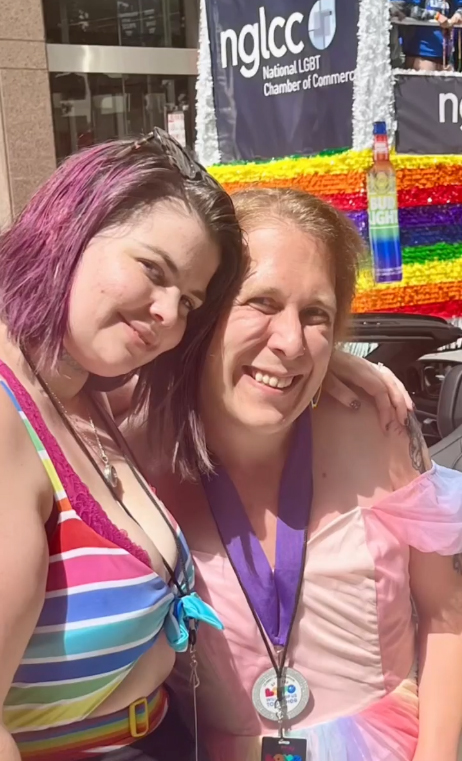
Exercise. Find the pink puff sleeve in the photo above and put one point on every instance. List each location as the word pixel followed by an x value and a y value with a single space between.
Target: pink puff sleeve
pixel 427 513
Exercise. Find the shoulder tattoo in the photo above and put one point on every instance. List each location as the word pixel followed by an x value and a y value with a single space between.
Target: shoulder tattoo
pixel 457 564
pixel 417 444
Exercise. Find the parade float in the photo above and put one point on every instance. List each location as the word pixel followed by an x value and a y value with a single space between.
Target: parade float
pixel 260 123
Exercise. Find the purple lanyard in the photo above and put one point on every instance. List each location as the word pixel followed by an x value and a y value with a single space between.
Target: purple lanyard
pixel 272 596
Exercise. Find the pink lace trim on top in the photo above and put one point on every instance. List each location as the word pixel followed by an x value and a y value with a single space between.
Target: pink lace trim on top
pixel 86 507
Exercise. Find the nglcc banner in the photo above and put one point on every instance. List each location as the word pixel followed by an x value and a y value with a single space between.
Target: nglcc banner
pixel 283 74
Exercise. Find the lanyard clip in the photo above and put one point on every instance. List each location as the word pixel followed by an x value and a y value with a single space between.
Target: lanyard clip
pixel 192 636
pixel 192 653
pixel 280 718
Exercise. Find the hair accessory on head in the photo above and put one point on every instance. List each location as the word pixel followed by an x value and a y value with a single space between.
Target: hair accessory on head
pixel 179 157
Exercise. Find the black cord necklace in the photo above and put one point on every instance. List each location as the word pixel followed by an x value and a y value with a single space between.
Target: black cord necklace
pixel 131 462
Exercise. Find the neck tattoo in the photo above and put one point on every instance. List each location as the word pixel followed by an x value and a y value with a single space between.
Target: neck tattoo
pixel 71 362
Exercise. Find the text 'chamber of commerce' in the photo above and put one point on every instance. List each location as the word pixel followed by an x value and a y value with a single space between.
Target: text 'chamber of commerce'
pixel 283 75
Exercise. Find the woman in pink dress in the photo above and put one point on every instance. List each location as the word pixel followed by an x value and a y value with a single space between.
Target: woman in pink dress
pixel 313 529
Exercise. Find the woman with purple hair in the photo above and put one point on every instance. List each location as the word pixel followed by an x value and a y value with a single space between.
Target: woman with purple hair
pixel 121 264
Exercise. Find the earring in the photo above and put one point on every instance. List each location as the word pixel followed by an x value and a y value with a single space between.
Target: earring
pixel 316 397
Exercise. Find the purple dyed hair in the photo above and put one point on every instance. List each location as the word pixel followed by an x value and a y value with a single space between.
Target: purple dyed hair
pixel 101 186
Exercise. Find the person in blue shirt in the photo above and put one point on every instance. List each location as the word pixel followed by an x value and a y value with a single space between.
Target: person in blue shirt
pixel 423 46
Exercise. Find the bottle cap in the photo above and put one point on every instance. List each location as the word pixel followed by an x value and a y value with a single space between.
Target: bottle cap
pixel 380 128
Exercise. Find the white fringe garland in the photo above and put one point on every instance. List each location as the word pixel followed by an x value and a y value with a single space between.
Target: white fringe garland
pixel 373 87
pixel 207 137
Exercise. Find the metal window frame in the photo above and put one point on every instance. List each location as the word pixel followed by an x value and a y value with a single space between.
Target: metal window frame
pixel 112 59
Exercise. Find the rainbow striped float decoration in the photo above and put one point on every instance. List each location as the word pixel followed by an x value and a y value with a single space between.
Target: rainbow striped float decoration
pixel 430 200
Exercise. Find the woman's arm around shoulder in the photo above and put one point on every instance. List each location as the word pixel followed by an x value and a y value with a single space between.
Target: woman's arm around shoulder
pixel 408 453
pixel 391 456
pixel 25 500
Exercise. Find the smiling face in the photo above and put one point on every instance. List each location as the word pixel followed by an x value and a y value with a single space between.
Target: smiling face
pixel 268 358
pixel 135 286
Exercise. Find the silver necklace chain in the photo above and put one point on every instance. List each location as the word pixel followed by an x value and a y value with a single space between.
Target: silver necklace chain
pixel 109 472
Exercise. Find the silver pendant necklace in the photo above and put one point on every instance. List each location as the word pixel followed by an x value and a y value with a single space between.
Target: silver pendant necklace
pixel 109 471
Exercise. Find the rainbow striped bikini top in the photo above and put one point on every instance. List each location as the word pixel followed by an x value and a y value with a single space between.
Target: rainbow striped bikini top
pixel 104 605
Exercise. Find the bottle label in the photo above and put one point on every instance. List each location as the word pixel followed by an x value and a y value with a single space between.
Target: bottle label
pixel 383 211
pixel 384 226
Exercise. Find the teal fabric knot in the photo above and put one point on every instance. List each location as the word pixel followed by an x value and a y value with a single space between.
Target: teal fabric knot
pixel 181 611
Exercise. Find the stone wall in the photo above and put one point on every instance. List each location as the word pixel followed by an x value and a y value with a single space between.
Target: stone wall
pixel 27 153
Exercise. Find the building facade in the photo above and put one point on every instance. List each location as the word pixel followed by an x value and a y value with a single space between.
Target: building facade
pixel 76 72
